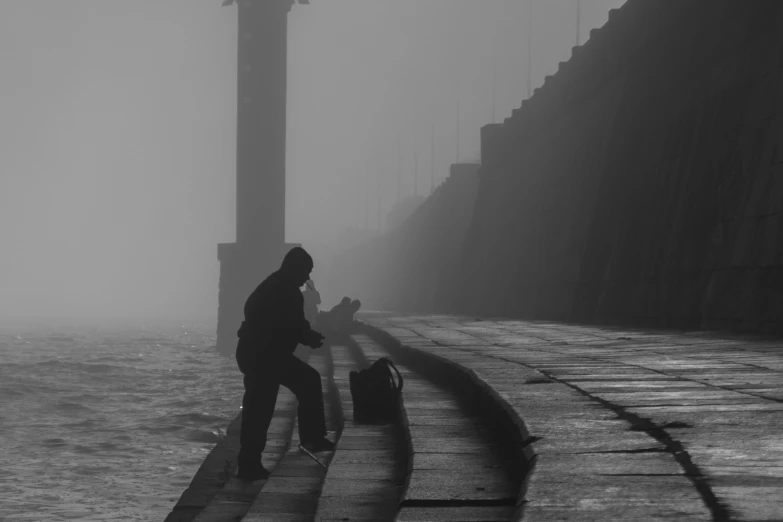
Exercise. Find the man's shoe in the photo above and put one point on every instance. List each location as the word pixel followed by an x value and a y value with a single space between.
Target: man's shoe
pixel 319 445
pixel 253 473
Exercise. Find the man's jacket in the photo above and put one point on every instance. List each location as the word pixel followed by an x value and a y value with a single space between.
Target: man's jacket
pixel 274 316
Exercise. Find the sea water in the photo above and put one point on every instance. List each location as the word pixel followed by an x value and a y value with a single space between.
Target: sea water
pixel 107 420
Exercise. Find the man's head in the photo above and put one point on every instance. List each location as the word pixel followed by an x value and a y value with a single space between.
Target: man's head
pixel 297 264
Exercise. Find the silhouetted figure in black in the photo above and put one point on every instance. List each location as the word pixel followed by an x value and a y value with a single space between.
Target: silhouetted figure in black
pixel 345 314
pixel 339 313
pixel 338 322
pixel 274 324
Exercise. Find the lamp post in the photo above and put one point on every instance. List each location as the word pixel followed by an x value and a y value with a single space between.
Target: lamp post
pixel 262 69
pixel 416 173
pixel 432 157
pixel 529 48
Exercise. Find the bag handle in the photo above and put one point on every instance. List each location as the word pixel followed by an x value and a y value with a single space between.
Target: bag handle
pixel 399 376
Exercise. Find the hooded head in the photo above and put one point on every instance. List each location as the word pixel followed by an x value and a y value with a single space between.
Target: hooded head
pixel 297 265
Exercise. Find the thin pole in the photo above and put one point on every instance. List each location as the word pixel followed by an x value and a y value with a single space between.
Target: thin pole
pixel 359 202
pixel 578 22
pixel 494 74
pixel 399 168
pixel 366 200
pixel 416 173
pixel 529 47
pixel 456 160
pixel 379 201
pixel 432 158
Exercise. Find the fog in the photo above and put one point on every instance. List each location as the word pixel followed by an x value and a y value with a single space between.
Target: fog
pixel 117 132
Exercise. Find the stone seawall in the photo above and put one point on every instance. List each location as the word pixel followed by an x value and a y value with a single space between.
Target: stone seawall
pixel 642 183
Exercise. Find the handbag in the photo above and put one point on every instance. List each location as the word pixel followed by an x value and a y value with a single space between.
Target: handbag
pixel 375 393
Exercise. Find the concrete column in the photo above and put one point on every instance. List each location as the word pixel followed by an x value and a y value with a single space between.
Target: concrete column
pixel 261 123
pixel 260 170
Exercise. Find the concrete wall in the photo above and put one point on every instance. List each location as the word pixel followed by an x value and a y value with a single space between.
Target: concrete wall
pixel 643 183
pixel 414 267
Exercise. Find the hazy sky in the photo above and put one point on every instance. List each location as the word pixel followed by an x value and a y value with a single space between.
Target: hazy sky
pixel 117 131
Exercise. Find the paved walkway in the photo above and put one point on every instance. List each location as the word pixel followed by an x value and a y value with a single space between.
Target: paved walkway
pixel 627 424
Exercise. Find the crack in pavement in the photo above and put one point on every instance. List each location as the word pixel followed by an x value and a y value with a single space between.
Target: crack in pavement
pixel 720 512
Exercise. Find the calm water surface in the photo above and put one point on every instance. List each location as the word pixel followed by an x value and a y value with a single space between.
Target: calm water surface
pixel 107 421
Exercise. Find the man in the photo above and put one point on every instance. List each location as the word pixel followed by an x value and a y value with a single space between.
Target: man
pixel 339 314
pixel 274 324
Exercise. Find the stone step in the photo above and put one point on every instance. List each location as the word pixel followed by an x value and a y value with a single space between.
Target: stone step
pixel 237 497
pixel 457 468
pixel 292 490
pixel 215 494
pixel 364 480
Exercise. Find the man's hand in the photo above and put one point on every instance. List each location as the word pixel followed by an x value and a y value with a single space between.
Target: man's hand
pixel 314 339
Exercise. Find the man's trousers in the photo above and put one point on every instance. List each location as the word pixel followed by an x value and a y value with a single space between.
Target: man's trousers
pixel 263 375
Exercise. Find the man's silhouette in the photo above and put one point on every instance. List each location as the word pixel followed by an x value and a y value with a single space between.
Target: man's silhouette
pixel 338 314
pixel 338 322
pixel 343 314
pixel 274 324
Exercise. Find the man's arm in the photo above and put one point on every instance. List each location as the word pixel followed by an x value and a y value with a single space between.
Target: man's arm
pixel 310 337
pixel 305 333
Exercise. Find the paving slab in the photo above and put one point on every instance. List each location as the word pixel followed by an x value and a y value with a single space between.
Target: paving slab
pixel 607 493
pixel 456 514
pixel 446 461
pixel 752 502
pixel 594 441
pixel 593 512
pixel 607 464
